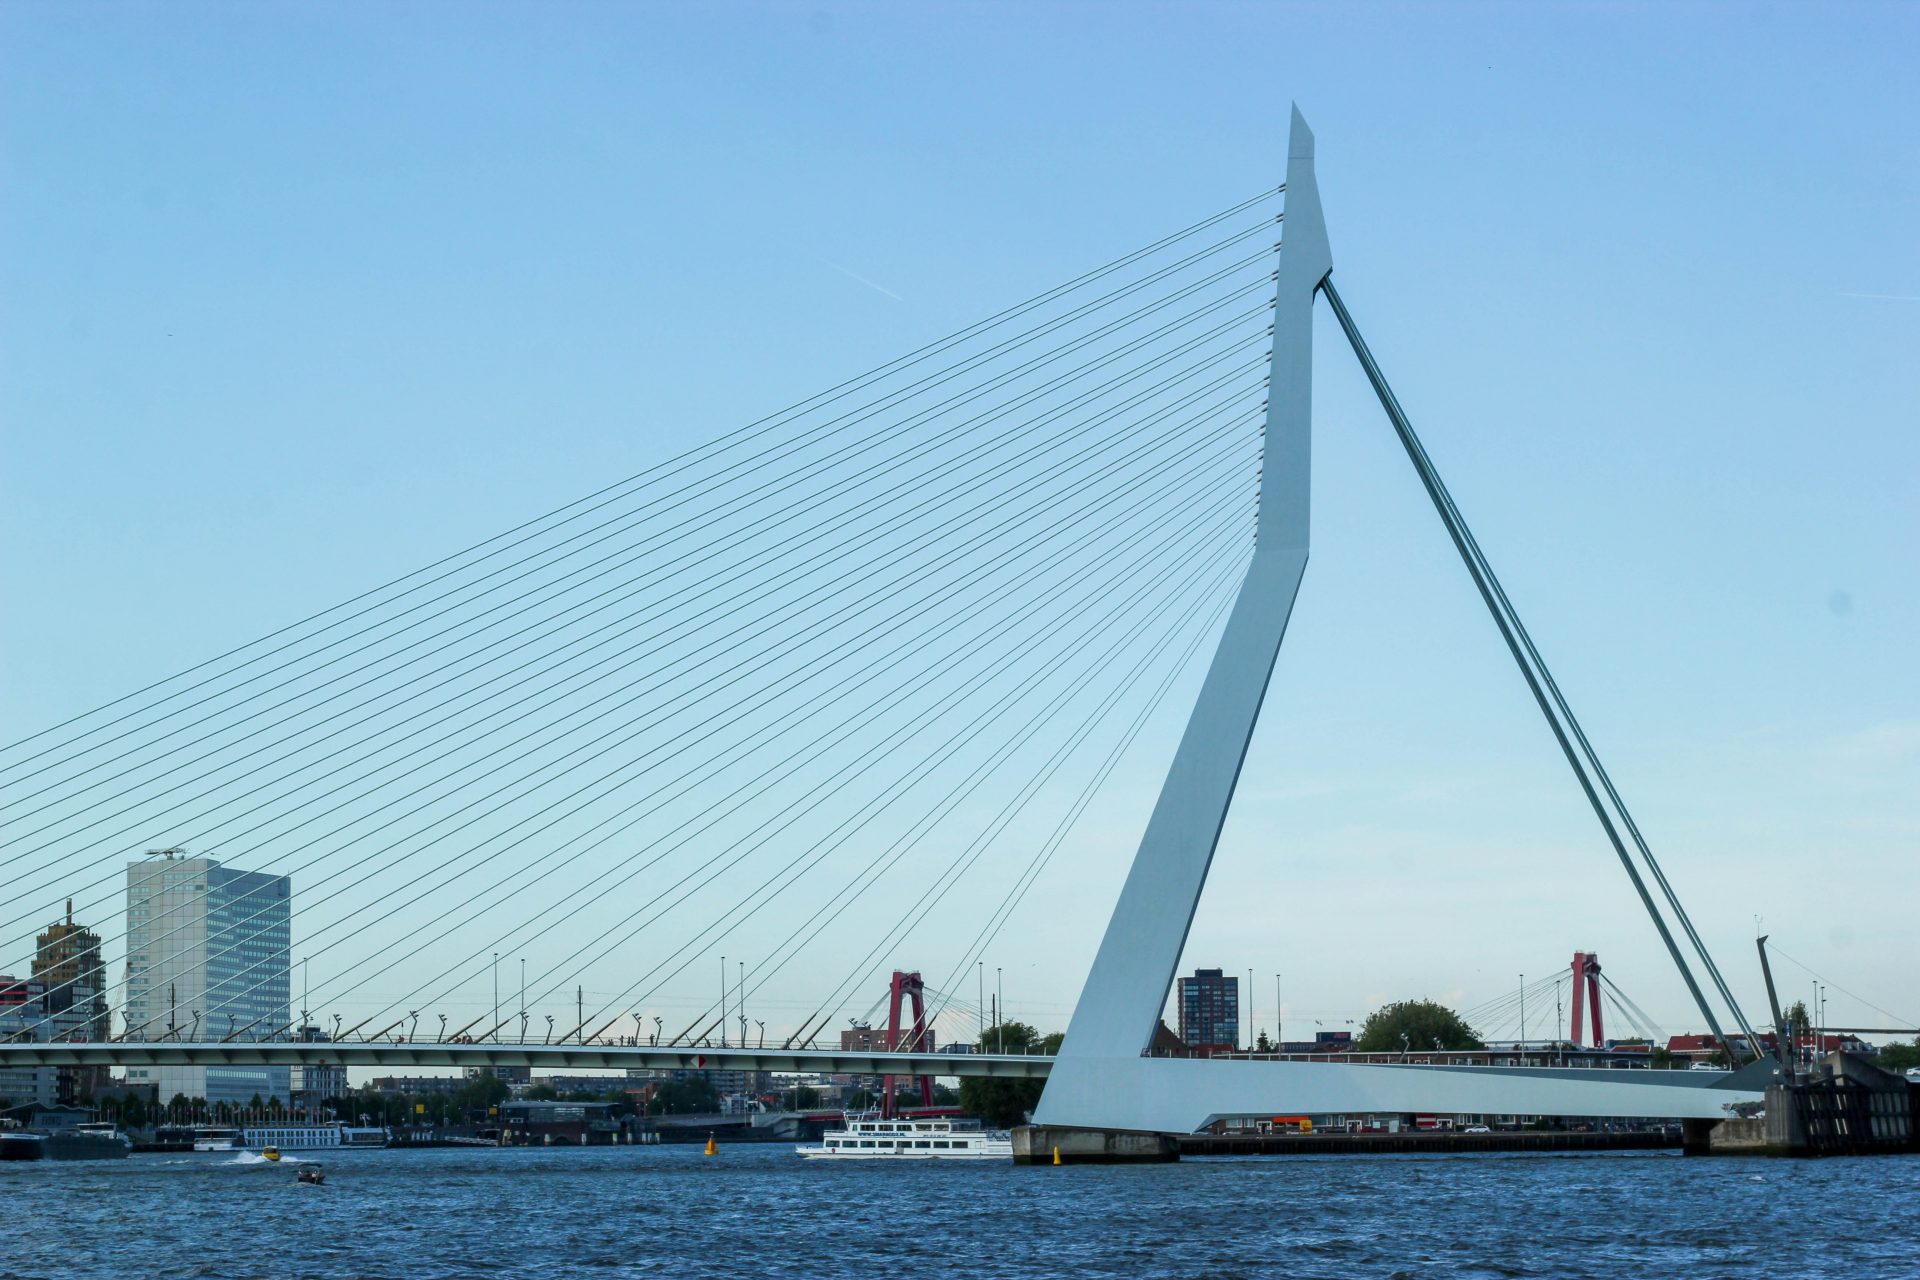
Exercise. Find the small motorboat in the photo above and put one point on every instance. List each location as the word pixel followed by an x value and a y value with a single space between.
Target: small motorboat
pixel 311 1176
pixel 271 1153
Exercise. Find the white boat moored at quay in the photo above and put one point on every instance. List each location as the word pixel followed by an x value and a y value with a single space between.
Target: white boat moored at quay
pixel 311 1137
pixel 869 1137
pixel 291 1137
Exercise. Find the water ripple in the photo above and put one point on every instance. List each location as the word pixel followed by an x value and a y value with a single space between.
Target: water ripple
pixel 757 1211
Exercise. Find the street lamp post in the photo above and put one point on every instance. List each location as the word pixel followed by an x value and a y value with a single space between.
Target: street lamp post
pixel 1278 1013
pixel 1523 1012
pixel 496 994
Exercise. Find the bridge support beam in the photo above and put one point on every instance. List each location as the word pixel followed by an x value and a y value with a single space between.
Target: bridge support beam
pixel 1183 1095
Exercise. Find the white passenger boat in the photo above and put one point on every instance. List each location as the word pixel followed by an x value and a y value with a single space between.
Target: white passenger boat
pixel 290 1137
pixel 211 1139
pixel 868 1137
pixel 311 1137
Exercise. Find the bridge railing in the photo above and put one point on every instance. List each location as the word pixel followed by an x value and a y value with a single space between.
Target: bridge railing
pixel 1572 1059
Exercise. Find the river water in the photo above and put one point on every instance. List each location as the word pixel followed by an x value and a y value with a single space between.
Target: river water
pixel 758 1211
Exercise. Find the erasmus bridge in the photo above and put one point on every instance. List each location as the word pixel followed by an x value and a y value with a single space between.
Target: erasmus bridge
pixel 901 633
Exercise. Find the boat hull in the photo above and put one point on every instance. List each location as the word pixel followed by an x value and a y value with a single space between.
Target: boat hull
pixel 63 1146
pixel 818 1153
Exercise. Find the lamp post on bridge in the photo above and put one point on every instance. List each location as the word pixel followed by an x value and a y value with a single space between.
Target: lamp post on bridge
pixel 1523 1011
pixel 496 993
pixel 999 1012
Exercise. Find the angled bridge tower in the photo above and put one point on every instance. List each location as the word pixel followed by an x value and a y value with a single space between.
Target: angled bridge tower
pixel 1104 1098
pixel 1127 986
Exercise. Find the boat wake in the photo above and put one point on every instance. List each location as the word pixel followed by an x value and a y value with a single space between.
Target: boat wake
pixel 254 1158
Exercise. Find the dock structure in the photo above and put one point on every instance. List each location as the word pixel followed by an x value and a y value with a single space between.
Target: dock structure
pixel 1846 1107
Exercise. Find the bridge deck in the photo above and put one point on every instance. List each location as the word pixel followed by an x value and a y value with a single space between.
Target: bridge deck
pixel 547 1057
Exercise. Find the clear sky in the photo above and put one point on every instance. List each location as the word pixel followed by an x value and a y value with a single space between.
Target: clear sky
pixel 294 298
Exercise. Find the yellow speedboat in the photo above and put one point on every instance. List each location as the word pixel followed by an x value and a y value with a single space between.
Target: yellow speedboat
pixel 271 1153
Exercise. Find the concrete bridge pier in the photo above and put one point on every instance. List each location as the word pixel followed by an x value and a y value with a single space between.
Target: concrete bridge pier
pixel 1037 1143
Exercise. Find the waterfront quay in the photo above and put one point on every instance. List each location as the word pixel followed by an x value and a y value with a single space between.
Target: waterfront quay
pixel 1662 1138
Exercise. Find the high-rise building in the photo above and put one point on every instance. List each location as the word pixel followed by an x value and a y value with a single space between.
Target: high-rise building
pixel 66 958
pixel 1210 1010
pixel 207 957
pixel 67 964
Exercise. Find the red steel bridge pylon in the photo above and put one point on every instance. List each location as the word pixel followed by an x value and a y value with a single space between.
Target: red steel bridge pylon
pixel 906 986
pixel 1586 994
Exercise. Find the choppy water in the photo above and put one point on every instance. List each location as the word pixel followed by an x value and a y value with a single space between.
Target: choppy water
pixel 758 1211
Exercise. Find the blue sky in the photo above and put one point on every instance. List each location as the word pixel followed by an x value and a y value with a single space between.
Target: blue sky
pixel 296 298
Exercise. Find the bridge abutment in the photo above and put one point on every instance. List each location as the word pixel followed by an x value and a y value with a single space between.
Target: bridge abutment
pixel 1037 1143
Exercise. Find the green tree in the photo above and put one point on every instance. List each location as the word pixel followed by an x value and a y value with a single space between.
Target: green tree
pixel 684 1097
pixel 803 1098
pixel 1264 1045
pixel 177 1107
pixel 483 1093
pixel 541 1093
pixel 999 1101
pixel 1414 1025
pixel 1799 1021
pixel 1900 1056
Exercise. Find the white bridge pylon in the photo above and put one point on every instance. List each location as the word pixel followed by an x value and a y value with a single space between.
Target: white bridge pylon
pixel 1101 1080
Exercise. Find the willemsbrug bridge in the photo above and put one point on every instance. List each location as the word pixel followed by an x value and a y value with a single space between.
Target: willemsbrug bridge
pixel 993 571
